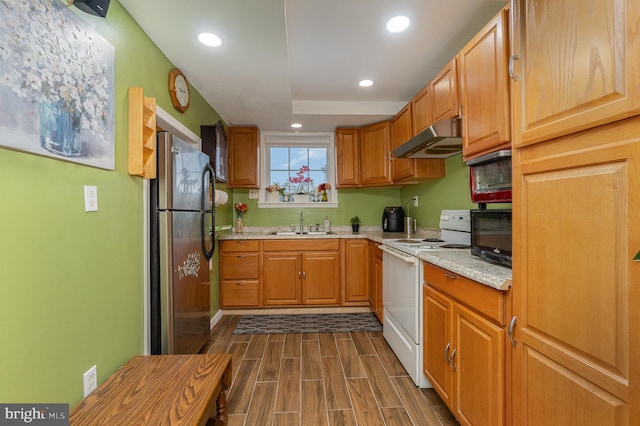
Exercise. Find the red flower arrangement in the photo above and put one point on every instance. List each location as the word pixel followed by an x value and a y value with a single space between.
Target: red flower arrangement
pixel 240 208
pixel 324 186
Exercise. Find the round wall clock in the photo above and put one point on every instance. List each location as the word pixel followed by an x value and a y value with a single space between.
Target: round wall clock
pixel 179 90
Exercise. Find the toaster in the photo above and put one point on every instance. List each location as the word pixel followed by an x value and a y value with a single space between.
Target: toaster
pixel 393 219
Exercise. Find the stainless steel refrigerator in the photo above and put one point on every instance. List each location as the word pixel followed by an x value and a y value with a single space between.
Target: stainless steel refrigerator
pixel 182 219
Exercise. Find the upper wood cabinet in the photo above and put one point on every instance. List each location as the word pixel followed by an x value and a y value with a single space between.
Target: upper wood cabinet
pixel 410 170
pixel 214 144
pixel 348 158
pixel 374 154
pixel 401 131
pixel 444 90
pixel 484 87
pixel 576 66
pixel 243 152
pixel 438 100
pixel 422 109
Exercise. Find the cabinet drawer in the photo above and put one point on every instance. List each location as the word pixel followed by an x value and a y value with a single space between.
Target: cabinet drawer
pixel 239 265
pixel 485 300
pixel 239 245
pixel 239 293
pixel 301 245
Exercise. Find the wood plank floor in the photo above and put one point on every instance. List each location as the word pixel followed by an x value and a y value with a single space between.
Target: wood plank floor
pixel 321 379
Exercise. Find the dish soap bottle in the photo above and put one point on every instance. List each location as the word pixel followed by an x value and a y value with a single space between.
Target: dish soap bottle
pixel 327 225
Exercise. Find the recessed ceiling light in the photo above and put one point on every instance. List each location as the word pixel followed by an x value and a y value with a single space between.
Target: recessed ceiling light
pixel 398 24
pixel 296 125
pixel 365 83
pixel 209 39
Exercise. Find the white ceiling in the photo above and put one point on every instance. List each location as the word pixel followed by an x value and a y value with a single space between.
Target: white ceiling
pixel 285 61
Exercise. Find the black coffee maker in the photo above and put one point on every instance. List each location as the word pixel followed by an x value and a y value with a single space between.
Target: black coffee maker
pixel 393 219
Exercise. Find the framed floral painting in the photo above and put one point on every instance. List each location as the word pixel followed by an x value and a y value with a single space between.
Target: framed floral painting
pixel 57 83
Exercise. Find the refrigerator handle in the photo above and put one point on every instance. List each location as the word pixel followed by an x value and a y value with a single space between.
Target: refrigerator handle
pixel 207 173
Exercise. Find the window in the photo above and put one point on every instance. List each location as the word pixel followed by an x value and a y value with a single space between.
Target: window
pixel 297 170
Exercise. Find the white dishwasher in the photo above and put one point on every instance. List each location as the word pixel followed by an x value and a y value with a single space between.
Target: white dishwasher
pixel 402 297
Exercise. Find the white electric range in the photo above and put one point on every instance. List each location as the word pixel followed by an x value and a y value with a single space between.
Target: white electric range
pixel 402 287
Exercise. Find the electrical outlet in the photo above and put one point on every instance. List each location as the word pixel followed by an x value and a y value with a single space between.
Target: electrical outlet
pixel 415 201
pixel 90 380
pixel 90 198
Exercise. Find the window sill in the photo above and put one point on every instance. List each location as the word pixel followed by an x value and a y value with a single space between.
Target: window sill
pixel 294 205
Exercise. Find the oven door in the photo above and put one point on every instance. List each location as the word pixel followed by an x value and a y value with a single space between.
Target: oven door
pixel 400 291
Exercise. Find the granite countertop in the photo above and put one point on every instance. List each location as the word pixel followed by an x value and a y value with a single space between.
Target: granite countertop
pixel 458 261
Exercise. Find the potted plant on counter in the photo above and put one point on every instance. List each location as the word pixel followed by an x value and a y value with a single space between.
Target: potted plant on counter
pixel 355 224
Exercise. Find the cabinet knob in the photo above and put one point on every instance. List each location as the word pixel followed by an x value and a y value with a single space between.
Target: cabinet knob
pixel 450 276
pixel 240 256
pixel 446 353
pixel 240 283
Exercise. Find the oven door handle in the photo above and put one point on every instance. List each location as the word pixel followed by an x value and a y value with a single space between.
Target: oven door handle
pixel 409 259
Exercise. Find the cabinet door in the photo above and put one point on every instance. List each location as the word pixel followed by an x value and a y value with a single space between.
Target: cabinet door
pixel 356 266
pixel 577 66
pixel 282 274
pixel 243 157
pixel 444 89
pixel 374 154
pixel 320 278
pixel 348 161
pixel 400 132
pixel 375 283
pixel 577 298
pixel 422 116
pixel 438 344
pixel 484 85
pixel 479 370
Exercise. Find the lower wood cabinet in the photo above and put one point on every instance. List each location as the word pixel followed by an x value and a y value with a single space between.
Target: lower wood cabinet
pixel 464 350
pixel 301 272
pixel 375 281
pixel 239 273
pixel 356 272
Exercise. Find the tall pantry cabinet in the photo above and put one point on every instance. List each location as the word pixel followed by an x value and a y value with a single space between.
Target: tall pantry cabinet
pixel 576 221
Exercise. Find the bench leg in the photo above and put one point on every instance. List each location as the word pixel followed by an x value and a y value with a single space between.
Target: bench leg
pixel 221 414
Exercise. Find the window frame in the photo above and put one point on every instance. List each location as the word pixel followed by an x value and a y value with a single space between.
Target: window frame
pixel 297 139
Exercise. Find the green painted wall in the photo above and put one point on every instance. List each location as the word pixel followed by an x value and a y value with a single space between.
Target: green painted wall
pixel 450 192
pixel 72 282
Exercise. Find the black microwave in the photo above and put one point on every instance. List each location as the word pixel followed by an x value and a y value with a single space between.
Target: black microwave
pixel 491 235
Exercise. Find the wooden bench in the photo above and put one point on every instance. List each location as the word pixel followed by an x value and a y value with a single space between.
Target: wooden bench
pixel 160 390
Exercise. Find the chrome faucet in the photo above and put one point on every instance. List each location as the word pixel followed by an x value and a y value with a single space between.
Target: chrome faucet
pixel 301 223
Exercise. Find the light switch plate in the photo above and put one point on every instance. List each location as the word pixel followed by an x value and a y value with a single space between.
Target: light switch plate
pixel 253 194
pixel 90 198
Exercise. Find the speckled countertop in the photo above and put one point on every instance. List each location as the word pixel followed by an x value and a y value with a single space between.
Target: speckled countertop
pixel 458 261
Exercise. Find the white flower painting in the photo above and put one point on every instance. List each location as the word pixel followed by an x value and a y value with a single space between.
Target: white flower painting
pixel 56 84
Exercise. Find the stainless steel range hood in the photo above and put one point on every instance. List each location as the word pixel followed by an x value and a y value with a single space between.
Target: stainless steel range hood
pixel 441 140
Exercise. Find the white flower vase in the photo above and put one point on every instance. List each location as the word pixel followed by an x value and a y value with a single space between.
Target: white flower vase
pixel 273 197
pixel 300 198
pixel 60 129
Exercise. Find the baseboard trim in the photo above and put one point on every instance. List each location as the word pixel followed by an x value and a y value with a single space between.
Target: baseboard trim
pixel 214 319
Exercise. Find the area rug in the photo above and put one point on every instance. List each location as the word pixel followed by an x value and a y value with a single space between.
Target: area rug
pixel 308 323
